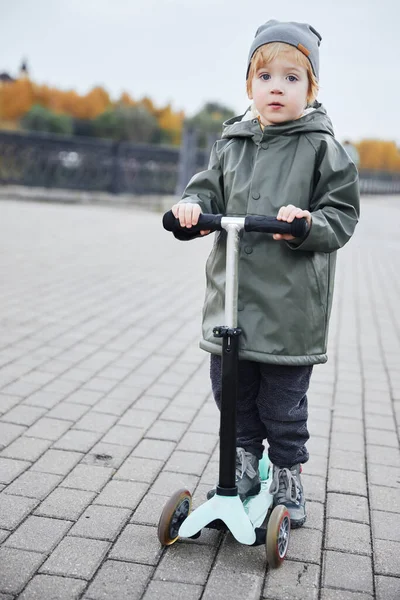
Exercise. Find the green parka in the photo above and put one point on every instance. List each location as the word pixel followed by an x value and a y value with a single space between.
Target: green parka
pixel 285 288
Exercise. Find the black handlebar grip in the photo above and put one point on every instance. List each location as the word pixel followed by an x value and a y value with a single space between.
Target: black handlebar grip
pixel 205 222
pixel 298 228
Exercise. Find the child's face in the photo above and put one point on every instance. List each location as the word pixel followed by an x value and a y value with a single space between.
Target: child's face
pixel 279 91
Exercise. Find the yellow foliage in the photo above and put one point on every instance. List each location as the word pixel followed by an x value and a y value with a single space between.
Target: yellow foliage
pixel 378 155
pixel 126 100
pixel 16 98
pixel 94 103
pixel 171 122
pixel 65 102
pixel 148 104
pixel 80 107
pixel 42 95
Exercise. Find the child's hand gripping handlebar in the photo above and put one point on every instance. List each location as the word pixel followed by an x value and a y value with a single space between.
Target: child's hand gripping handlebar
pixel 298 228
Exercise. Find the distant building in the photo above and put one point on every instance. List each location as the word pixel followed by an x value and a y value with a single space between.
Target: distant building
pixel 23 74
pixel 6 78
pixel 23 70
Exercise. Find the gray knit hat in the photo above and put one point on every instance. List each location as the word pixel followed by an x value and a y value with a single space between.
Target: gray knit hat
pixel 300 35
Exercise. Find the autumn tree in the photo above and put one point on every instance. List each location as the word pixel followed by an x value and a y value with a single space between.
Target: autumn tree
pixel 171 124
pixel 125 100
pixel 88 106
pixel 126 118
pixel 378 155
pixel 96 102
pixel 16 98
pixel 42 95
pixel 147 104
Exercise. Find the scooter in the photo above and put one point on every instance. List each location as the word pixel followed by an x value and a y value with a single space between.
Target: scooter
pixel 225 510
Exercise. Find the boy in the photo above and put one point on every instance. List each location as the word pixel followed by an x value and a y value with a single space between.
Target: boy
pixel 282 159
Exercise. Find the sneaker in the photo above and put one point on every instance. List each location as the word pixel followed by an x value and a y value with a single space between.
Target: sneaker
pixel 287 488
pixel 247 476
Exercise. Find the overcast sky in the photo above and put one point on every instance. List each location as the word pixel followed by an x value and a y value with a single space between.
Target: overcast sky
pixel 188 52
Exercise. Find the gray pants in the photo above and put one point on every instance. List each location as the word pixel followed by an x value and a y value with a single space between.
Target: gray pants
pixel 272 405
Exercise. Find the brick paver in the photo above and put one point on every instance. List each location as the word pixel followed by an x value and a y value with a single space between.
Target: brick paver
pixel 105 410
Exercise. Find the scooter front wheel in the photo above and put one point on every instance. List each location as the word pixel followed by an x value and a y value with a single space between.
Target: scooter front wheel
pixel 175 511
pixel 278 533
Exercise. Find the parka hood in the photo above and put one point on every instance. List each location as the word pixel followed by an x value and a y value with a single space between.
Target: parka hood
pixel 315 121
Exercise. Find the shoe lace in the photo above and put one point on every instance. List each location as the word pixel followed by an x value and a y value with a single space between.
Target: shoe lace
pixel 284 486
pixel 243 464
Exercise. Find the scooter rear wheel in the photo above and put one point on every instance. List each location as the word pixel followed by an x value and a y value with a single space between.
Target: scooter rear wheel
pixel 278 533
pixel 175 511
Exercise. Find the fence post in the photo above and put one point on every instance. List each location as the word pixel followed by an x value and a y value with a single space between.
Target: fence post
pixel 115 184
pixel 187 159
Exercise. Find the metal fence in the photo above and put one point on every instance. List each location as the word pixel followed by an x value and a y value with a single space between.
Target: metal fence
pixel 77 163
pixel 44 160
pixel 379 182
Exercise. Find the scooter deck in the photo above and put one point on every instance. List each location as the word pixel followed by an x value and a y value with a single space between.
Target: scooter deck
pixel 242 519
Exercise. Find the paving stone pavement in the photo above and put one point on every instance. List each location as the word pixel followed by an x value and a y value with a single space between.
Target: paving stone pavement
pixel 105 410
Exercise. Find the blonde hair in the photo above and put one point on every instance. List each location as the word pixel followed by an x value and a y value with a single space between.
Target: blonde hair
pixel 268 52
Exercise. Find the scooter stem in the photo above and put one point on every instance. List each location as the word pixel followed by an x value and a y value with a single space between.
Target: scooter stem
pixel 231 276
pixel 230 356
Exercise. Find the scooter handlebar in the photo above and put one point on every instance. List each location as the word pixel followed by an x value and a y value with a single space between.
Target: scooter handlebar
pixel 297 228
pixel 208 222
pixel 205 223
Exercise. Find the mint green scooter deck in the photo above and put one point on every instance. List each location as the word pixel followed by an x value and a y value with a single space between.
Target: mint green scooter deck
pixel 240 518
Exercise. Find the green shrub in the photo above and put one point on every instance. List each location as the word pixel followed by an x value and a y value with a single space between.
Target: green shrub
pixel 39 118
pixel 134 123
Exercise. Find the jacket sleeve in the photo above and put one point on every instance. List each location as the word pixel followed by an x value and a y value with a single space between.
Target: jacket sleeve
pixel 335 204
pixel 206 188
